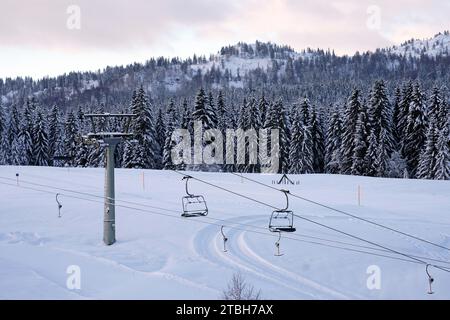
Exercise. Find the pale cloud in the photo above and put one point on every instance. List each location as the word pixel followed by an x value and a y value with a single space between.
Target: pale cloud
pixel 34 33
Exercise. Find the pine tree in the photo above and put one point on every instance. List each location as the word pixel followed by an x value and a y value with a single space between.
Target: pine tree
pixel 442 164
pixel 428 153
pixel 351 115
pixel 80 119
pixel 415 130
pixel 211 110
pixel 382 160
pixel 27 134
pixel 171 125
pixel 359 145
pixel 437 108
pixel 144 130
pixel 263 105
pixel 186 120
pixel 434 104
pixel 305 108
pixel 251 121
pixel 407 92
pixel 204 110
pixel 14 140
pixel 318 143
pixel 379 114
pixel 371 154
pixel 333 144
pixel 301 154
pixel 277 119
pixel 54 133
pixel 396 105
pixel 221 113
pixel 40 147
pixel 161 131
pixel 3 145
pixel 133 154
pixel 82 156
pixel 70 141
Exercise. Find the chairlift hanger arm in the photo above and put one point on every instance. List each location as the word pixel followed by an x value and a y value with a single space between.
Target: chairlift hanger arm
pixel 187 187
pixel 286 193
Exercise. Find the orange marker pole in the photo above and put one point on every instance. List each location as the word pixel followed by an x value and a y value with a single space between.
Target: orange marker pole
pixel 359 195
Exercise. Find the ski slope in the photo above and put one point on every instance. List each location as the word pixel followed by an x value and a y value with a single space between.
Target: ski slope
pixel 159 255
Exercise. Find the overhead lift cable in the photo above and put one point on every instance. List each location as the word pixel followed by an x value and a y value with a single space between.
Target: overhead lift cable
pixel 320 224
pixel 220 221
pixel 231 227
pixel 347 213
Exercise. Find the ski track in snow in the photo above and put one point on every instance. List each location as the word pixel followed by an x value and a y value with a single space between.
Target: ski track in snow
pixel 130 267
pixel 208 244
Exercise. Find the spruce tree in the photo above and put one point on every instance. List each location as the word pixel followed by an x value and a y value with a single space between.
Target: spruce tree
pixel 171 125
pixel 351 115
pixel 221 113
pixel 359 145
pixel 14 138
pixel 428 154
pixel 407 92
pixel 186 118
pixel 277 119
pixel 333 144
pixel 251 121
pixel 415 130
pixel 40 147
pixel 263 105
pixel 70 141
pixel 54 133
pixel 144 130
pixel 305 108
pixel 301 155
pixel 133 154
pixel 371 154
pixel 442 164
pixel 3 145
pixel 396 105
pixel 318 143
pixel 27 134
pixel 382 160
pixel 379 114
pixel 161 131
pixel 204 110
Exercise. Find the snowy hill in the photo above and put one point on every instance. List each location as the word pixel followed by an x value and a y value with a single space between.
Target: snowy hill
pixel 244 66
pixel 439 45
pixel 160 256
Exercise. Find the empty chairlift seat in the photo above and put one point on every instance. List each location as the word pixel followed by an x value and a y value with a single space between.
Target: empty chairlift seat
pixel 193 205
pixel 282 220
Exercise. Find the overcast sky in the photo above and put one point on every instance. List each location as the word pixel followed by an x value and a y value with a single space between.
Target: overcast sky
pixel 48 37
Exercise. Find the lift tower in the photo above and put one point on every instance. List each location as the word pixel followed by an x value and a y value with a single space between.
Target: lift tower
pixel 109 141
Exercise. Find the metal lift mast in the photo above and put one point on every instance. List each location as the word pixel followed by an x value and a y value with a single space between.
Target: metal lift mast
pixel 109 140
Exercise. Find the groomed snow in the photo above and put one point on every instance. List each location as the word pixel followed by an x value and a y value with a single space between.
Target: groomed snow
pixel 159 257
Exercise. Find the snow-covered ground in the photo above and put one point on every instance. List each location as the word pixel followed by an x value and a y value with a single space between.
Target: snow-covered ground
pixel 166 257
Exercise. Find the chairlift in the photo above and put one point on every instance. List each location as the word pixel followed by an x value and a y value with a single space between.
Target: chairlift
pixel 225 239
pixel 277 245
pixel 59 205
pixel 193 205
pixel 282 220
pixel 430 279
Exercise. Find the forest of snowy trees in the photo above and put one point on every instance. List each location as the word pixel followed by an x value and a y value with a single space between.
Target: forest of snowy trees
pixel 404 134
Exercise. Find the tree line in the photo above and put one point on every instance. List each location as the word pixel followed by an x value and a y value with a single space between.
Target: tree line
pixel 404 134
